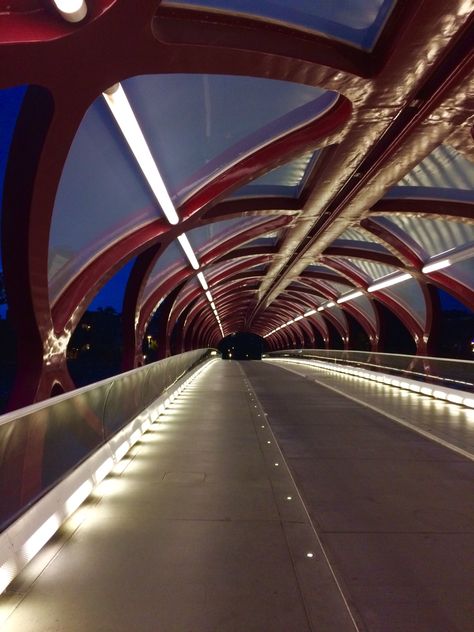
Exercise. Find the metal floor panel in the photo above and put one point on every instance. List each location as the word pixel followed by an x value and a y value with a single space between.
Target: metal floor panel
pixel 201 532
pixel 394 510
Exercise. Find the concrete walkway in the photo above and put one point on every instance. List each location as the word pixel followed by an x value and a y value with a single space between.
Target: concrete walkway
pixel 394 510
pixel 201 529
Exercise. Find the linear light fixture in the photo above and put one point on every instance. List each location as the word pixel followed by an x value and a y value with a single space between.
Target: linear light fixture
pixel 188 251
pixel 122 111
pixel 209 296
pixel 436 265
pixel 71 10
pixel 330 304
pixel 320 308
pixel 309 313
pixel 202 281
pixel 349 297
pixel 388 281
pixel 298 318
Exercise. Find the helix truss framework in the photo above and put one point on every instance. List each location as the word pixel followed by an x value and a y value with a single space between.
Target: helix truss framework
pixel 312 175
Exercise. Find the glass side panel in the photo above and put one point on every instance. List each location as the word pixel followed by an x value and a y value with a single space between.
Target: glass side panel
pixel 372 269
pixel 102 195
pixel 284 181
pixel 435 235
pixel 444 174
pixel 410 296
pixel 197 125
pixel 170 261
pixel 356 22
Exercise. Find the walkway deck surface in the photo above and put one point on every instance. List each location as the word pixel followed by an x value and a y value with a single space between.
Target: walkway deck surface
pixel 204 530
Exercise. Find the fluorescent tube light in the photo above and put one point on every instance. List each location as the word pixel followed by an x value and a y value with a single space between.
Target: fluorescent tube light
pixel 298 318
pixel 436 265
pixel 321 309
pixel 188 251
pixel 202 281
pixel 310 313
pixel 388 281
pixel 330 304
pixel 123 114
pixel 349 297
pixel 71 10
pixel 209 296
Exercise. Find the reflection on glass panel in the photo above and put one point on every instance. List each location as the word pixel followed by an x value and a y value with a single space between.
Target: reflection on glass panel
pixel 444 174
pixel 462 271
pixel 372 269
pixel 410 295
pixel 435 235
pixel 170 261
pixel 197 125
pixel 357 22
pixel 101 196
pixel 206 237
pixel 285 181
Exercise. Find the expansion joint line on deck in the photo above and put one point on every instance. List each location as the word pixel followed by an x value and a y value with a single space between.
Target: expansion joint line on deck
pixel 263 423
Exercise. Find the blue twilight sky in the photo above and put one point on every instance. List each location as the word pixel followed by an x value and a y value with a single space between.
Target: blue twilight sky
pixel 112 293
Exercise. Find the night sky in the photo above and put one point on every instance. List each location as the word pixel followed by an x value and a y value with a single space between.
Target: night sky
pixel 112 293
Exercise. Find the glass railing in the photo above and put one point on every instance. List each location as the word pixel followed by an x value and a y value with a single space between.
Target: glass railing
pixel 42 443
pixel 451 373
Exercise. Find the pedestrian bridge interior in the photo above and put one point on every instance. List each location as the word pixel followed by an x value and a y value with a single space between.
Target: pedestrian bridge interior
pixel 288 175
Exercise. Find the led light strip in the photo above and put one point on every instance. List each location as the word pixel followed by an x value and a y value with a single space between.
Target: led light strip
pixel 22 540
pixel 123 113
pixel 379 284
pixel 453 396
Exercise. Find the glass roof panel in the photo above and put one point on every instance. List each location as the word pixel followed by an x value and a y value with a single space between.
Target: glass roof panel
pixel 357 22
pixel 340 288
pixel 462 271
pixel 444 174
pixel 284 181
pixel 409 294
pixel 267 240
pixel 435 235
pixel 206 237
pixel 101 196
pixel 170 261
pixel 366 243
pixel 372 269
pixel 356 234
pixel 366 307
pixel 197 125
